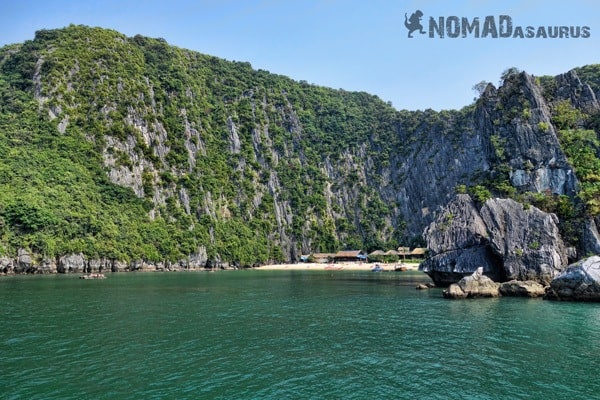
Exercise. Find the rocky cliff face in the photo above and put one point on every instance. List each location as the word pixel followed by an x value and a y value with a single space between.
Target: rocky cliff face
pixel 508 135
pixel 502 238
pixel 517 120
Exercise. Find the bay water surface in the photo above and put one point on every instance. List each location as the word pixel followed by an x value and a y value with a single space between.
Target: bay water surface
pixel 287 335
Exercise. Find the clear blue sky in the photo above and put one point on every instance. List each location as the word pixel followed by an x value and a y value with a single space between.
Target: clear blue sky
pixel 355 45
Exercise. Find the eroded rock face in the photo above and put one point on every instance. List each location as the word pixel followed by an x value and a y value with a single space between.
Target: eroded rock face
pixel 71 263
pixel 459 227
pixel 580 281
pixel 527 241
pixel 24 262
pixel 458 243
pixel 504 239
pixel 47 266
pixel 449 267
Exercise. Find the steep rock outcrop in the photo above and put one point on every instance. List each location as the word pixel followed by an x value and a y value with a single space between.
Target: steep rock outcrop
pixel 504 239
pixel 518 122
pixel 457 241
pixel 527 240
pixel 459 227
pixel 591 237
pixel 580 95
pixel 580 282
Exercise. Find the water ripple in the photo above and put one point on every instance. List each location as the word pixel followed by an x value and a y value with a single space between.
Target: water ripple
pixel 286 335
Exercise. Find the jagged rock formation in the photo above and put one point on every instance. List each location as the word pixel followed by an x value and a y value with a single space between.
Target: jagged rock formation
pixel 458 244
pixel 72 263
pixel 580 282
pixel 518 121
pixel 503 239
pixel 527 241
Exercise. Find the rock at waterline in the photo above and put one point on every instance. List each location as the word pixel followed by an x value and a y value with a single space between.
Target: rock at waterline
pixel 476 285
pixel 424 286
pixel 580 282
pixel 516 288
pixel 509 241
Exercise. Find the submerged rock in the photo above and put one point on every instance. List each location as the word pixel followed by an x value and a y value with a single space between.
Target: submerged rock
pixel 516 288
pixel 424 286
pixel 580 281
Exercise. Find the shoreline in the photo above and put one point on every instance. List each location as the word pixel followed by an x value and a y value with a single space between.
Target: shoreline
pixel 342 266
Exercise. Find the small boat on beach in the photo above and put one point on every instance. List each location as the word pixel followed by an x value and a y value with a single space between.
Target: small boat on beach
pixel 377 268
pixel 93 276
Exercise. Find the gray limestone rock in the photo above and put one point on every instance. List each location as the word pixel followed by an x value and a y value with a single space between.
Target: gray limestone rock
pixel 504 239
pixel 71 263
pixel 99 265
pixel 527 241
pixel 449 267
pixel 6 265
pixel 591 237
pixel 24 262
pixel 458 226
pixel 47 266
pixel 580 281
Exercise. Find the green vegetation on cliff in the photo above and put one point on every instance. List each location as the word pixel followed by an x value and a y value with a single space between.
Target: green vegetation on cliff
pixel 200 152
pixel 129 148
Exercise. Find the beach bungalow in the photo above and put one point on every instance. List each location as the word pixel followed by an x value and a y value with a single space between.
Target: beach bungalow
pixel 404 252
pixel 350 255
pixel 376 256
pixel 418 253
pixel 323 258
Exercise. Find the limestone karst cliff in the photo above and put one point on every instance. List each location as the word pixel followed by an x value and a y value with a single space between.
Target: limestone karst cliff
pixel 122 148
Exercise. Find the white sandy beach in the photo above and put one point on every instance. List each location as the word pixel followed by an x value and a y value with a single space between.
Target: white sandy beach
pixel 344 266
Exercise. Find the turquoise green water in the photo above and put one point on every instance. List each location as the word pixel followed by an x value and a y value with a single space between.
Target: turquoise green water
pixel 286 335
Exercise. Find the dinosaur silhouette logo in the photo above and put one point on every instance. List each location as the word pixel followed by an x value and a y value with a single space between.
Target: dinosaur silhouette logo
pixel 414 23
